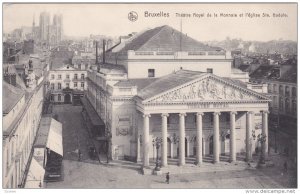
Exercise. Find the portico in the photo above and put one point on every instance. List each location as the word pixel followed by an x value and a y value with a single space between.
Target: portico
pixel 179 115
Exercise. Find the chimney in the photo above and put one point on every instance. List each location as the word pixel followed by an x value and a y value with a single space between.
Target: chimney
pixel 103 55
pixel 10 78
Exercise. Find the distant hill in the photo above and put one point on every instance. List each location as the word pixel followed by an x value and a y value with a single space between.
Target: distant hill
pixel 279 46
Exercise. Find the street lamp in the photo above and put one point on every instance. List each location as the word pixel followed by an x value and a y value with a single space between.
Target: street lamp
pixel 108 136
pixel 157 142
pixel 261 138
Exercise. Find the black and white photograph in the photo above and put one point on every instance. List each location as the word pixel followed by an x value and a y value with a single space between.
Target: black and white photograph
pixel 133 95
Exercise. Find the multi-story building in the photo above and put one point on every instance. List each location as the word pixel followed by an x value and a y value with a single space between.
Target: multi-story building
pixel 163 86
pixel 282 89
pixel 22 109
pixel 67 84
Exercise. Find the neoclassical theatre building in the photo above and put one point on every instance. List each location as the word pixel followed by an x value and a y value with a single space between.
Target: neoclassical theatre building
pixel 162 84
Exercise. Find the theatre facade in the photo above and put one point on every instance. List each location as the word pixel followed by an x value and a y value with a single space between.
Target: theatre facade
pixel 191 101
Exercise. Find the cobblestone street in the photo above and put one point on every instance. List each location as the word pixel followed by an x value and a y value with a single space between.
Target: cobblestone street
pixel 89 173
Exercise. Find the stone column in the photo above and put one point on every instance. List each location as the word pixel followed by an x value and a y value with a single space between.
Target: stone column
pixel 182 139
pixel 199 139
pixel 265 130
pixel 216 137
pixel 138 148
pixel 164 145
pixel 146 144
pixel 249 128
pixel 232 137
pixel 171 149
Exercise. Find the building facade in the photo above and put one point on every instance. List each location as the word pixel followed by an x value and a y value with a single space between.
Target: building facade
pixel 67 84
pixel 282 89
pixel 184 94
pixel 21 115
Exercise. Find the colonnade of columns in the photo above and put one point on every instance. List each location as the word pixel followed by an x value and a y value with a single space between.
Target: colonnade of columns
pixel 199 134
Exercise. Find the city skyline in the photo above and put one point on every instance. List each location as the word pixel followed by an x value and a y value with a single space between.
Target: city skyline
pixel 95 19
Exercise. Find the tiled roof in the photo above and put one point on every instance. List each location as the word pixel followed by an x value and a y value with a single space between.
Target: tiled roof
pixel 235 82
pixel 11 96
pixel 139 83
pixel 165 38
pixel 9 68
pixel 168 82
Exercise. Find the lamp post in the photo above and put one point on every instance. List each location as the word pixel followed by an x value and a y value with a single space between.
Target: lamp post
pixel 108 139
pixel 157 142
pixel 261 138
pixel 153 144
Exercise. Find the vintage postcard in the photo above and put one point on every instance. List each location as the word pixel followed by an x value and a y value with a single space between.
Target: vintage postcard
pixel 150 95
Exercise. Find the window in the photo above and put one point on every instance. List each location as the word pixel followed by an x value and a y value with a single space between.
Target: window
pixel 287 90
pixel 51 98
pixel 275 88
pixel 75 84
pixel 82 84
pixel 280 89
pixel 280 104
pixel 82 76
pixel 270 87
pixel 52 86
pixel 287 105
pixel 294 106
pixel 151 72
pixel 209 70
pixel 59 86
pixel 68 76
pixel 59 97
pixel 52 76
pixel 67 85
pixel 294 92
pixel 59 76
pixel 75 76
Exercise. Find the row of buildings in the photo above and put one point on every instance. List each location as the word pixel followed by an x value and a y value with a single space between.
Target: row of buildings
pixel 24 89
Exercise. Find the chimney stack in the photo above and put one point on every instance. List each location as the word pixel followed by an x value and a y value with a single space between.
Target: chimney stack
pixel 103 55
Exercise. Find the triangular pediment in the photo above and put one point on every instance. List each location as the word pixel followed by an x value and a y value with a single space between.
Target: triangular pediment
pixel 209 88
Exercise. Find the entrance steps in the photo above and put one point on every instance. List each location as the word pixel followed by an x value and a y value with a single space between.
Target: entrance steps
pixel 189 167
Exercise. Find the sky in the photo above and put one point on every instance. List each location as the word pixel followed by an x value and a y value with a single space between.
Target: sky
pixel 112 19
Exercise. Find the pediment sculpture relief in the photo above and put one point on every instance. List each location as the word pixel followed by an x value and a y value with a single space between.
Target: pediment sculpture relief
pixel 208 89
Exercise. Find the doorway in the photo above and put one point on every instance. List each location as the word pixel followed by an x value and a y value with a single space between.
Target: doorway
pixel 169 148
pixel 67 98
pixel 211 145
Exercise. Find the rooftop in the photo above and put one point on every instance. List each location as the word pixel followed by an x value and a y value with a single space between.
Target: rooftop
pixel 168 82
pixel 11 96
pixel 165 38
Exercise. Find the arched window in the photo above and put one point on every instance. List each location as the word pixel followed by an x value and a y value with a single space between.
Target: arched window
pixel 287 90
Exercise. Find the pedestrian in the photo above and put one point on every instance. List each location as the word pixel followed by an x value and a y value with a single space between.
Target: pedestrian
pixel 285 166
pixel 79 155
pixel 168 178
